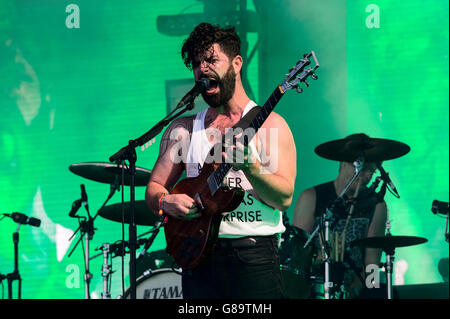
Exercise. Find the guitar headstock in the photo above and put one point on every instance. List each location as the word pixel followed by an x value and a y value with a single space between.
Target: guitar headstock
pixel 299 73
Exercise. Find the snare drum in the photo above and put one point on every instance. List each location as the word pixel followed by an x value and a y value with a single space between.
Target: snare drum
pixel 296 263
pixel 158 284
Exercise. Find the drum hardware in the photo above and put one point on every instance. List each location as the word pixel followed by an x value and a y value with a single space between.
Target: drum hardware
pixel 149 241
pixel 87 230
pixel 109 173
pixel 388 244
pixel 142 214
pixel 324 225
pixel 439 207
pixel 106 271
pixel 372 149
pixel 118 249
pixel 356 149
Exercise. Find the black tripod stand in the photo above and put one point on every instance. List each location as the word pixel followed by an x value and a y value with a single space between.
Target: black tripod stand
pixel 15 275
pixel 20 219
pixel 87 231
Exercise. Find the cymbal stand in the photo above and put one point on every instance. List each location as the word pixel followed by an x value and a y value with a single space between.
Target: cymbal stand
pixel 106 272
pixel 149 241
pixel 389 265
pixel 87 230
pixel 324 226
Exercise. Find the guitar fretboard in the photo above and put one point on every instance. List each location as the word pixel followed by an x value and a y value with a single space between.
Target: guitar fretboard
pixel 216 178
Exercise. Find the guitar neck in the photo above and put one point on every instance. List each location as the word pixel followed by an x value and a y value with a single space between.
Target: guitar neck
pixel 266 109
pixel 216 178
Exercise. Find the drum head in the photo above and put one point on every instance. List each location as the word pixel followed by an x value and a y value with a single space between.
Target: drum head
pixel 158 284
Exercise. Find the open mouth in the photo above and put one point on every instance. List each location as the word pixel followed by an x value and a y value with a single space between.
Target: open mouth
pixel 213 86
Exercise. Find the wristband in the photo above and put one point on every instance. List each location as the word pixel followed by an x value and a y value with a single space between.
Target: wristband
pixel 160 207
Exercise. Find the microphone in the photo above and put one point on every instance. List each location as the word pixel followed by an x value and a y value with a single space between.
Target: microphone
pixel 75 207
pixel 386 179
pixel 358 164
pixel 24 219
pixel 439 207
pixel 200 86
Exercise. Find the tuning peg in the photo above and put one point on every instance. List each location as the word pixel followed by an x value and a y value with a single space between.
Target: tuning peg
pixel 314 76
pixel 298 89
pixel 306 83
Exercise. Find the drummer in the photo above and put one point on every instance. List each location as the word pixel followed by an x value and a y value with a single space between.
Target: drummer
pixel 367 219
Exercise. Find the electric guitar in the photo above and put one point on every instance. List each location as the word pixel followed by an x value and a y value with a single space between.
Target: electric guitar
pixel 188 242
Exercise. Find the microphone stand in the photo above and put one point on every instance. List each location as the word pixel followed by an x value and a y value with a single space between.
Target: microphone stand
pixel 324 227
pixel 446 229
pixel 129 153
pixel 15 274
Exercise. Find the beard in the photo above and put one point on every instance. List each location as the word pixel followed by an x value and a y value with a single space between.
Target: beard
pixel 227 85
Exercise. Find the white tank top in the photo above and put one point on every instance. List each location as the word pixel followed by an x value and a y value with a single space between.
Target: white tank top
pixel 252 217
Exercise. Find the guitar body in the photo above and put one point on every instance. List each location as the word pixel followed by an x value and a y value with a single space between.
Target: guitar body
pixel 189 241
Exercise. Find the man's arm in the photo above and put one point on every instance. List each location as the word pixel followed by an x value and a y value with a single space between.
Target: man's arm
pixel 376 228
pixel 373 255
pixel 273 178
pixel 168 169
pixel 304 210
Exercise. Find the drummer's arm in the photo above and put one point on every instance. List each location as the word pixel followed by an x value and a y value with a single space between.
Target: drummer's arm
pixel 304 210
pixel 373 255
pixel 376 229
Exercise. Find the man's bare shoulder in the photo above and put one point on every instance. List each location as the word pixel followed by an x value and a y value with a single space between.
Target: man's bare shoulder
pixel 182 122
pixel 308 194
pixel 275 120
pixel 179 129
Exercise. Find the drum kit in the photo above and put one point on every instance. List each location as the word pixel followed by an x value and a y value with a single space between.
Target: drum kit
pixel 303 277
pixel 158 277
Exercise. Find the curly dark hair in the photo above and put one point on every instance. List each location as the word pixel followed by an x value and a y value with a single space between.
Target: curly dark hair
pixel 204 36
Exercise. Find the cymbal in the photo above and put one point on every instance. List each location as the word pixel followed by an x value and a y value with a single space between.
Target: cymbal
pixel 142 214
pixel 372 149
pixel 107 173
pixel 389 242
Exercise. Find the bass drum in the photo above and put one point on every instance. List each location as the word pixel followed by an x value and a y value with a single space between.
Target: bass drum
pixel 296 264
pixel 158 284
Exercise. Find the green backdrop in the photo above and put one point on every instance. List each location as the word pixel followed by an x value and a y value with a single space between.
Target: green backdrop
pixel 71 95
